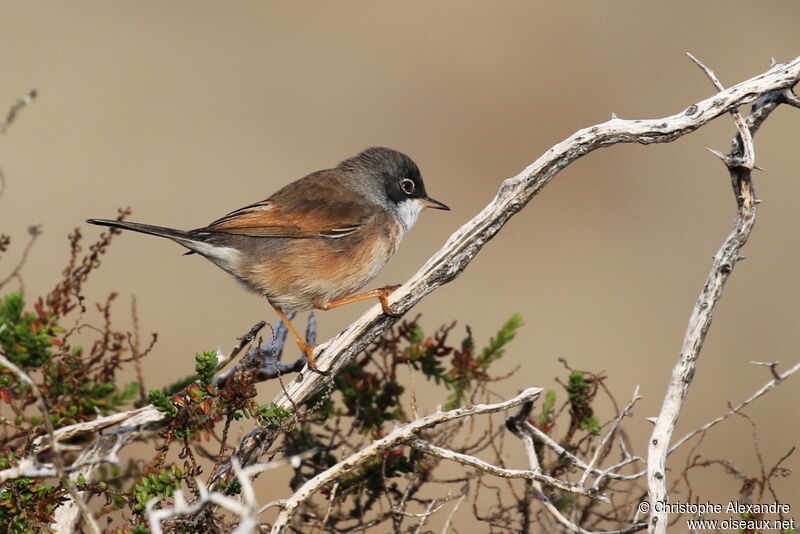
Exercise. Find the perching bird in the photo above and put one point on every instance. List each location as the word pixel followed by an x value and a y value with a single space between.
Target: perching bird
pixel 318 240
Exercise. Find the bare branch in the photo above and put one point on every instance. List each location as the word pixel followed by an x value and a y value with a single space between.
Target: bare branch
pixel 700 321
pixel 15 109
pixel 749 156
pixel 551 508
pixel 738 408
pixel 610 434
pixel 247 510
pixel 10 116
pixel 464 493
pixel 477 463
pixel 403 434
pixel 34 231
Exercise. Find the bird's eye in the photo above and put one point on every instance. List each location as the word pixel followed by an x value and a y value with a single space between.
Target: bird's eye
pixel 407 185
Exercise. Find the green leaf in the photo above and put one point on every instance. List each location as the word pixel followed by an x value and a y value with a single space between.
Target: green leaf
pixel 162 402
pixel 206 365
pixel 497 344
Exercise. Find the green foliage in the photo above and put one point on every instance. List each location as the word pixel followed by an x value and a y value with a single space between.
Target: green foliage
pixel 179 385
pixel 75 386
pixel 162 402
pixel 547 415
pixel 271 416
pixel 230 485
pixel 161 485
pixel 591 424
pixel 206 366
pixel 81 396
pixel 580 399
pixel 26 506
pixel 365 394
pixel 26 338
pixel 497 344
pixel 469 368
pixel 373 397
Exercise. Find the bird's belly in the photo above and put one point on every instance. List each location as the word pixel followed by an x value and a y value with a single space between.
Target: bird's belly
pixel 309 272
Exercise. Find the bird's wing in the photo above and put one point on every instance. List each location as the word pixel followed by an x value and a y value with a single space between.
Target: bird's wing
pixel 306 208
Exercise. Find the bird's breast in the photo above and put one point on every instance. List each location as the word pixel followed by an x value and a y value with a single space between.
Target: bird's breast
pixel 299 272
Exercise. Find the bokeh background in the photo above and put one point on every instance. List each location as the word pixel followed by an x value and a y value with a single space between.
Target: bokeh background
pixel 187 110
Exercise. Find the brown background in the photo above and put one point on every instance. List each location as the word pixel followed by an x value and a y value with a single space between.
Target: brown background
pixel 187 110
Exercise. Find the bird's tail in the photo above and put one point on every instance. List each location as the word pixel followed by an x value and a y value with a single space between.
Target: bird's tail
pixel 161 231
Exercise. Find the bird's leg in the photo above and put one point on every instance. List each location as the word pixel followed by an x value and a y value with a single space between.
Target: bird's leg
pixel 305 347
pixel 380 293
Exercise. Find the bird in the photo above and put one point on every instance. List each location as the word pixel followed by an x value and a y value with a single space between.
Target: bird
pixel 316 241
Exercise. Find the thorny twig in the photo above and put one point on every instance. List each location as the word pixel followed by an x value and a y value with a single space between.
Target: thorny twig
pixel 739 163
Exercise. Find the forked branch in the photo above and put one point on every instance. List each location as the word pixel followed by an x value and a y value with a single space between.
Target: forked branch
pixel 740 163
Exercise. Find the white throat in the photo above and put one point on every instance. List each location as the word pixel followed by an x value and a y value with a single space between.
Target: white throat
pixel 407 213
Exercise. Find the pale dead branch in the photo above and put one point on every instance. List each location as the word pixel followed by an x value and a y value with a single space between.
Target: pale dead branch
pixel 502 472
pixel 398 436
pixel 739 163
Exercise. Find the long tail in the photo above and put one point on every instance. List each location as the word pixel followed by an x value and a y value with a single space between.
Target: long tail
pixel 161 231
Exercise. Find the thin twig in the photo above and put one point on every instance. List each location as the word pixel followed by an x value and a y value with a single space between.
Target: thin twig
pixel 464 494
pixel 564 453
pixel 607 438
pixel 399 435
pixel 15 109
pixel 738 408
pixel 551 508
pixel 34 231
pixel 748 158
pixel 503 472
pixel 58 460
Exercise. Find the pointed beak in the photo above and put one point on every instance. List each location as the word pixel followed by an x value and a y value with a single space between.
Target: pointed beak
pixel 428 202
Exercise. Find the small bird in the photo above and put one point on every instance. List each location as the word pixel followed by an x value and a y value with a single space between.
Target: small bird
pixel 316 241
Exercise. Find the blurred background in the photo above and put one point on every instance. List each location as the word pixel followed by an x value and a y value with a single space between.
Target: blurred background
pixel 185 111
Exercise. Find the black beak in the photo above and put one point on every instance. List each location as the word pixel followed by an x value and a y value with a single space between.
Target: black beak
pixel 435 204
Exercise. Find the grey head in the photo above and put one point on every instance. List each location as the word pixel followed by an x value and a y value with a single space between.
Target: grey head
pixel 396 179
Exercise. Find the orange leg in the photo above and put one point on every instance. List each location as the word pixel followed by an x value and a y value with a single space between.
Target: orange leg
pixel 305 347
pixel 381 293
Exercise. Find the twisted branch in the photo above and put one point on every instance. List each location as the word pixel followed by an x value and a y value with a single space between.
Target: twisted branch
pixel 740 164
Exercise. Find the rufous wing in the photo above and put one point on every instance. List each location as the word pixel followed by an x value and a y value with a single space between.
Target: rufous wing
pixel 291 213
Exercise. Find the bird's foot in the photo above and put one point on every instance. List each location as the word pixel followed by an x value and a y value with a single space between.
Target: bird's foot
pixel 383 293
pixel 311 362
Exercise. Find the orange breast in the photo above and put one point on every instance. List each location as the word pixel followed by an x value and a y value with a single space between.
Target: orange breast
pixel 324 269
